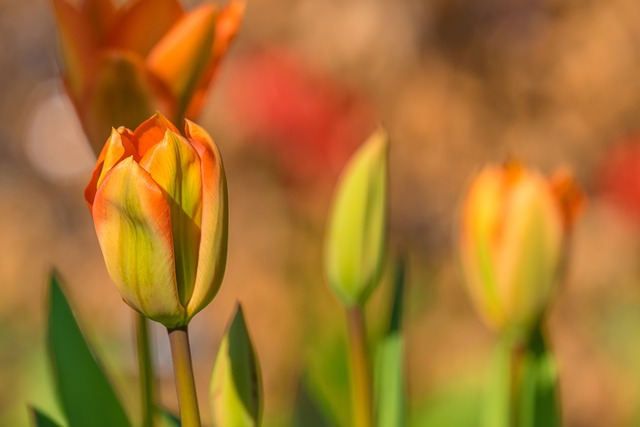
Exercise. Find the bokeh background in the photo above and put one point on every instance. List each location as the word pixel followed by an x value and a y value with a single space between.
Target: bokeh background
pixel 457 83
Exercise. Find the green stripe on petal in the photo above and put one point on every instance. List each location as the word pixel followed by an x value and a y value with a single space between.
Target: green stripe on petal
pixel 132 221
pixel 215 219
pixel 175 166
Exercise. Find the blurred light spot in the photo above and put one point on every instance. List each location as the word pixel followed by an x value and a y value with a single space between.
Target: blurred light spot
pixel 55 143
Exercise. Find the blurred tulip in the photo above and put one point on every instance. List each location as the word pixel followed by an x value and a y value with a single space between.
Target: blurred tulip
pixel 619 177
pixel 236 389
pixel 356 235
pixel 159 205
pixel 513 233
pixel 122 64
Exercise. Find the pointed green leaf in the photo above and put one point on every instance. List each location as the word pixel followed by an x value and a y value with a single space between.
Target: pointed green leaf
pixel 389 376
pixel 236 389
pixel 39 419
pixel 86 395
pixel 356 235
pixel 389 364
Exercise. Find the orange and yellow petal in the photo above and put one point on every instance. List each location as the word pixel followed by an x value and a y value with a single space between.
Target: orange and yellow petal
pixel 175 166
pixel 117 148
pixel 183 54
pixel 99 15
pixel 78 46
pixel 141 24
pixel 151 132
pixel 132 221
pixel 227 26
pixel 214 235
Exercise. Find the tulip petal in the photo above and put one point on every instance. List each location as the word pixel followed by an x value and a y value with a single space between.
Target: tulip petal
pixel 77 45
pixel 478 233
pixel 141 24
pixel 181 57
pixel 118 147
pixel 528 261
pixel 123 93
pixel 174 165
pixel 151 132
pixel 212 255
pixel 227 26
pixel 99 14
pixel 132 221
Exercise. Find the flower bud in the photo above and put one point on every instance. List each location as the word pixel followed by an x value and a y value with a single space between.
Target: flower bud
pixel 235 389
pixel 513 236
pixel 356 236
pixel 159 205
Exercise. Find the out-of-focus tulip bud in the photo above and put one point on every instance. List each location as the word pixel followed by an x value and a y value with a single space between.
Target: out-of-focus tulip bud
pixel 236 389
pixel 356 235
pixel 122 64
pixel 159 205
pixel 513 234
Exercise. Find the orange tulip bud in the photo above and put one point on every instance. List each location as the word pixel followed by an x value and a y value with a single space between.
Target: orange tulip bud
pixel 159 205
pixel 124 64
pixel 513 232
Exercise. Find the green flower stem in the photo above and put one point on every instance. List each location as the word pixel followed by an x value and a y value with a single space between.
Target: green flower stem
pixel 361 385
pixel 183 373
pixel 145 367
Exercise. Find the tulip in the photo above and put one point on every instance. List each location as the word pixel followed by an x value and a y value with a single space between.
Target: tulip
pixel 159 205
pixel 356 233
pixel 122 64
pixel 514 230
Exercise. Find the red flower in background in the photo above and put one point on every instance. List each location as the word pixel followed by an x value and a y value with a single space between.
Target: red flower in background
pixel 311 122
pixel 619 177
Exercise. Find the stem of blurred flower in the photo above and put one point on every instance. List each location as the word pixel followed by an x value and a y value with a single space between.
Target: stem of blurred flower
pixel 183 373
pixel 361 391
pixel 145 367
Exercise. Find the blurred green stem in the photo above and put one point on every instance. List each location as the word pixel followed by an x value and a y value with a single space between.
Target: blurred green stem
pixel 361 386
pixel 145 367
pixel 183 373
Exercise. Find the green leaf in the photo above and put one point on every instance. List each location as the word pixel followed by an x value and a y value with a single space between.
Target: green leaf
pixel 86 395
pixel 236 389
pixel 39 419
pixel 389 364
pixel 356 234
pixel 389 379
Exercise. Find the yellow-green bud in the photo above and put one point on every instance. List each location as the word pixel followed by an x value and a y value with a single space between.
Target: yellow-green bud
pixel 356 235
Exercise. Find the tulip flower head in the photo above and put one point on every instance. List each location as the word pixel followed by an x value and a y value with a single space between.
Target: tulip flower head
pixel 513 233
pixel 159 205
pixel 122 64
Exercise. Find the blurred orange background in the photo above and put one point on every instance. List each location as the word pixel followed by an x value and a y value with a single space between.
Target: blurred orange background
pixel 457 83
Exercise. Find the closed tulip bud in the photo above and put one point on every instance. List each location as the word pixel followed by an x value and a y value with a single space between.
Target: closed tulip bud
pixel 356 236
pixel 122 64
pixel 159 205
pixel 236 390
pixel 513 237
